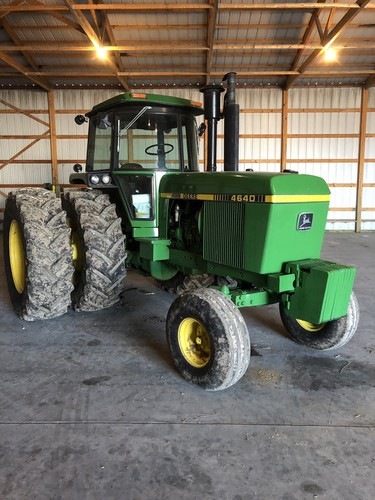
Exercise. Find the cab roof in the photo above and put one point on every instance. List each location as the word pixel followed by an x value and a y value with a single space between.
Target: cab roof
pixel 128 98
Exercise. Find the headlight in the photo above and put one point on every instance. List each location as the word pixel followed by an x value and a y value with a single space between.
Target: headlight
pixel 94 179
pixel 106 179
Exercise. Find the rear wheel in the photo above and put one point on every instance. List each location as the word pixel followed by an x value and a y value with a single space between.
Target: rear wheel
pixel 208 339
pixel 37 254
pixel 98 249
pixel 325 336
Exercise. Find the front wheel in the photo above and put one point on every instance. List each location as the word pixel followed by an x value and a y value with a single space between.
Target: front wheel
pixel 326 336
pixel 208 339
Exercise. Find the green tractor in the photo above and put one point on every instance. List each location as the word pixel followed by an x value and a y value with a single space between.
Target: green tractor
pixel 222 240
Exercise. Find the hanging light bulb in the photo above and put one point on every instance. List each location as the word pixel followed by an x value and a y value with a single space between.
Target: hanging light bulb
pixel 330 54
pixel 101 52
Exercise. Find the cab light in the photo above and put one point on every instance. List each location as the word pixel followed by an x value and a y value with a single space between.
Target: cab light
pixel 196 103
pixel 94 179
pixel 106 179
pixel 139 96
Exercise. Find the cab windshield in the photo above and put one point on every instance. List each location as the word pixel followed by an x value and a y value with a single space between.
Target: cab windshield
pixel 143 138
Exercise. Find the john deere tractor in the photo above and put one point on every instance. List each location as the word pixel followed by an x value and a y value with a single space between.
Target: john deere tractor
pixel 222 240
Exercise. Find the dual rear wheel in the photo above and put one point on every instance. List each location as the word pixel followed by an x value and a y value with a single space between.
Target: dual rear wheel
pixel 51 266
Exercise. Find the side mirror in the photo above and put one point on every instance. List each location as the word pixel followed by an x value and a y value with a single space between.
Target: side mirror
pixel 77 168
pixel 80 119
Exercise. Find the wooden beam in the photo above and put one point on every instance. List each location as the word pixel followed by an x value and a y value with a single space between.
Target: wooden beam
pixel 53 143
pixel 11 160
pixel 193 7
pixel 361 159
pixel 10 30
pixel 176 7
pixel 24 112
pixel 10 7
pixel 151 48
pixel 118 61
pixel 211 29
pixel 331 37
pixel 288 6
pixel 22 69
pixel 319 28
pixel 95 39
pixel 284 130
pixel 60 17
pixel 330 20
pixel 370 82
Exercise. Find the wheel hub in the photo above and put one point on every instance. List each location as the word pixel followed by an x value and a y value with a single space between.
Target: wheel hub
pixel 17 256
pixel 194 342
pixel 310 327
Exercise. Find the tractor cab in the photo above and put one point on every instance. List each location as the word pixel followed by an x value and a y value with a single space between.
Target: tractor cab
pixel 134 140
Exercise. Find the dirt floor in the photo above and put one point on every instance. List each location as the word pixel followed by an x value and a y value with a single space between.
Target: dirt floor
pixel 91 406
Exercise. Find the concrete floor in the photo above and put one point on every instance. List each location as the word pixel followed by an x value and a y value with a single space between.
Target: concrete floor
pixel 92 408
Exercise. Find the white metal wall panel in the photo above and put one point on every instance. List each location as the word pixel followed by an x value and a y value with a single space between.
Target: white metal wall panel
pixel 81 100
pixel 331 172
pixel 323 123
pixel 259 154
pixel 328 148
pixel 318 148
pixel 25 99
pixel 315 98
pixel 39 151
pixel 259 98
pixel 23 173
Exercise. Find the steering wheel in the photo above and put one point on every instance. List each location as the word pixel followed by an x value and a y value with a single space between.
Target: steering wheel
pixel 161 149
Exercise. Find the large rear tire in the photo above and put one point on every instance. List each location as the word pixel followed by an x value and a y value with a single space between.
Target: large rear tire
pixel 98 249
pixel 327 336
pixel 208 339
pixel 37 254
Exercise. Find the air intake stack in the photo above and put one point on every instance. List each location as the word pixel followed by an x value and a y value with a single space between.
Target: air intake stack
pixel 231 124
pixel 211 104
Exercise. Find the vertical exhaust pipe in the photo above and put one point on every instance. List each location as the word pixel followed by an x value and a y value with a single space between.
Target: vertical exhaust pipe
pixel 231 124
pixel 211 94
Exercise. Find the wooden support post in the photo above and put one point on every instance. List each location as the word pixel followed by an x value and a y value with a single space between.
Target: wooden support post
pixel 52 127
pixel 361 158
pixel 284 130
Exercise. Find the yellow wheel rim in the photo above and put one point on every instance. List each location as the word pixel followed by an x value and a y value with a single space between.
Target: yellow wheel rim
pixel 17 256
pixel 194 342
pixel 310 327
pixel 75 241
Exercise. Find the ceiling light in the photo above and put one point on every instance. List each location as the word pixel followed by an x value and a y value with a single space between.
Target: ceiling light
pixel 330 54
pixel 101 52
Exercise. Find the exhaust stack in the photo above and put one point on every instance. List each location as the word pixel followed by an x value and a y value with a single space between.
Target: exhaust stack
pixel 231 124
pixel 211 105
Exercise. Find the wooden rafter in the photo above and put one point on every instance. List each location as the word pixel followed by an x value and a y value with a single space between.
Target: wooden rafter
pixel 361 159
pixel 26 113
pixel 211 29
pixel 22 69
pixel 270 50
pixel 370 82
pixel 10 8
pixel 11 32
pixel 176 7
pixel 95 39
pixel 7 162
pixel 60 17
pixel 330 20
pixel 159 46
pixel 329 39
pixel 306 37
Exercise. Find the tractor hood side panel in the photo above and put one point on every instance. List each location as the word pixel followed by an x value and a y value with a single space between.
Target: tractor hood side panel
pixel 253 221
